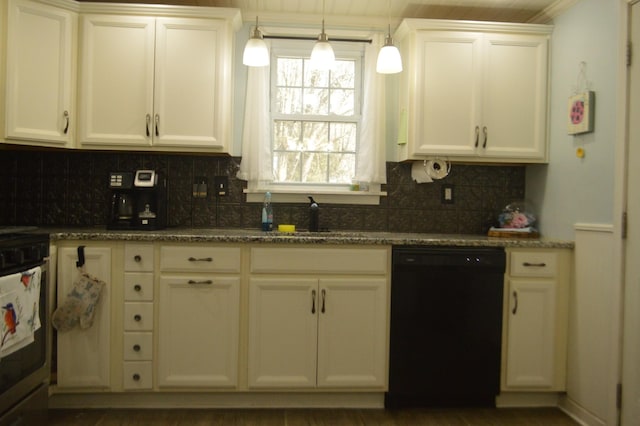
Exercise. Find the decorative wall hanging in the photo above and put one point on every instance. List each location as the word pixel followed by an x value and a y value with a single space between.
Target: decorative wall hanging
pixel 581 105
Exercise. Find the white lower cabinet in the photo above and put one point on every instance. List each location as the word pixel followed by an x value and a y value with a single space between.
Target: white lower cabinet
pixel 318 331
pixel 535 320
pixel 198 332
pixel 138 317
pixel 199 314
pixel 83 355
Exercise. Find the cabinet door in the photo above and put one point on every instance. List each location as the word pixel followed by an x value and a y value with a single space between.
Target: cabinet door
pixel 188 73
pixel 514 107
pixel 352 338
pixel 39 74
pixel 531 333
pixel 83 355
pixel 116 80
pixel 283 325
pixel 447 94
pixel 198 331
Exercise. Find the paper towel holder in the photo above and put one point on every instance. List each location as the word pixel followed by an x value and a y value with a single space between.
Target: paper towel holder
pixel 437 168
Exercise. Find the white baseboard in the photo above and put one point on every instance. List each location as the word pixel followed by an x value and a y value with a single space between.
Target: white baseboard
pixel 578 413
pixel 527 399
pixel 216 400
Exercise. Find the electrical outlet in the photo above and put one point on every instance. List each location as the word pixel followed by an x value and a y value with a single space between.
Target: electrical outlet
pixel 222 186
pixel 447 194
pixel 200 187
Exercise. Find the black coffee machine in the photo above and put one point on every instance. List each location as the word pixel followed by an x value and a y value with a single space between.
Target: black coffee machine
pixel 138 200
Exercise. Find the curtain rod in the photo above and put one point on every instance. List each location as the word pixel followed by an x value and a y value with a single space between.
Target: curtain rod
pixel 349 40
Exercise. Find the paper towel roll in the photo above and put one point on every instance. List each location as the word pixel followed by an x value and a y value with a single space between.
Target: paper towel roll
pixel 437 168
pixel 419 172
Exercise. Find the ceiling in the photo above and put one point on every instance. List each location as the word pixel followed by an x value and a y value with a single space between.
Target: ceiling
pixel 537 11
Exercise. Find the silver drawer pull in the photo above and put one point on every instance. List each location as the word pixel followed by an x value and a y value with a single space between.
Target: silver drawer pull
pixel 201 259
pixel 208 282
pixel 535 265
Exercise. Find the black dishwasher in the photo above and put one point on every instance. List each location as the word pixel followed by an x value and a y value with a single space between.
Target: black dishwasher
pixel 446 326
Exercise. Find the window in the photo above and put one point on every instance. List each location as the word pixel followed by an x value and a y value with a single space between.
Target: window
pixel 315 119
pixel 309 131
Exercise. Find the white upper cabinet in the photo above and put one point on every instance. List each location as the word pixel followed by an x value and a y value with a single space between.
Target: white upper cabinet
pixel 40 81
pixel 473 91
pixel 156 82
pixel 116 80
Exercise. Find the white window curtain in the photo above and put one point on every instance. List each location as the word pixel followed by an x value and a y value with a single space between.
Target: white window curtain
pixel 371 165
pixel 256 164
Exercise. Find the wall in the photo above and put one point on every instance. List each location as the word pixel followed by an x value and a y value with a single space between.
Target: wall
pixel 570 189
pixel 69 188
pixel 577 201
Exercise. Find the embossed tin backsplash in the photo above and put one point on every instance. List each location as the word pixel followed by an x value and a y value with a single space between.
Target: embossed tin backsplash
pixel 69 188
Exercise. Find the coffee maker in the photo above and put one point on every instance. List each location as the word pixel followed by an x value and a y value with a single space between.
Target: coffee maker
pixel 138 200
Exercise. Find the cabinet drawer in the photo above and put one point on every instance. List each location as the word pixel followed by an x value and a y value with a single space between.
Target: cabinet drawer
pixel 533 264
pixel 138 346
pixel 138 286
pixel 137 375
pixel 138 257
pixel 319 260
pixel 138 316
pixel 200 258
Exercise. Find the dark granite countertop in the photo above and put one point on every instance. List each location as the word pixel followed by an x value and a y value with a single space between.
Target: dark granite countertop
pixel 218 235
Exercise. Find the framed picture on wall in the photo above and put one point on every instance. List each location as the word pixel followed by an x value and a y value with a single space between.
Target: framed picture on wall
pixel 581 110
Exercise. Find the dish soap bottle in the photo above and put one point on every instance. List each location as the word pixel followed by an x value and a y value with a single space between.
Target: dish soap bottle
pixel 314 213
pixel 267 213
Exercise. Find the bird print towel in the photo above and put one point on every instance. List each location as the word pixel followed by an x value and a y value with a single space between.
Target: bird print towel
pixel 20 304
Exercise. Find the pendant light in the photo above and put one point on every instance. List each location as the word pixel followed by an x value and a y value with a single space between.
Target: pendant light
pixel 322 55
pixel 256 53
pixel 389 60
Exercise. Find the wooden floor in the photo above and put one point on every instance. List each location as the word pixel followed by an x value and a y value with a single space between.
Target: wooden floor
pixel 313 417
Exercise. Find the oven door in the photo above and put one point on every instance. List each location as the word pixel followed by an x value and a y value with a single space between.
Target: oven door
pixel 24 374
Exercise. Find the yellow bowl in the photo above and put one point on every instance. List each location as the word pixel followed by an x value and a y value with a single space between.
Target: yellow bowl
pixel 287 228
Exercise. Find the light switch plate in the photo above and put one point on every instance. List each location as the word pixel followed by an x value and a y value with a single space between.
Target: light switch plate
pixel 222 186
pixel 447 194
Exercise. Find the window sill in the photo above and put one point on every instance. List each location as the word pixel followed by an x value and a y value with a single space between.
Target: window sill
pixel 322 196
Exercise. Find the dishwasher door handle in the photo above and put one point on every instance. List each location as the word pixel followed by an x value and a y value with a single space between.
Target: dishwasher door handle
pixel 515 302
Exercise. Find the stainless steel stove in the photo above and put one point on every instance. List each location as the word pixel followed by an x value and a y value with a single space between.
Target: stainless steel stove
pixel 25 340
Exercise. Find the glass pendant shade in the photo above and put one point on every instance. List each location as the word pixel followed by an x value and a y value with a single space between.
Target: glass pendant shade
pixel 389 59
pixel 256 53
pixel 322 55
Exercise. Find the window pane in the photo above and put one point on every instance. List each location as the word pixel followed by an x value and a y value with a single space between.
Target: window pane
pixel 314 77
pixel 342 168
pixel 343 137
pixel 289 72
pixel 308 147
pixel 286 135
pixel 316 101
pixel 342 102
pixel 343 75
pixel 316 136
pixel 314 167
pixel 286 166
pixel 289 101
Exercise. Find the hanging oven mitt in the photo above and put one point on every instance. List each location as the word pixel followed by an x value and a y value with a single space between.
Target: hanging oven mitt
pixel 80 305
